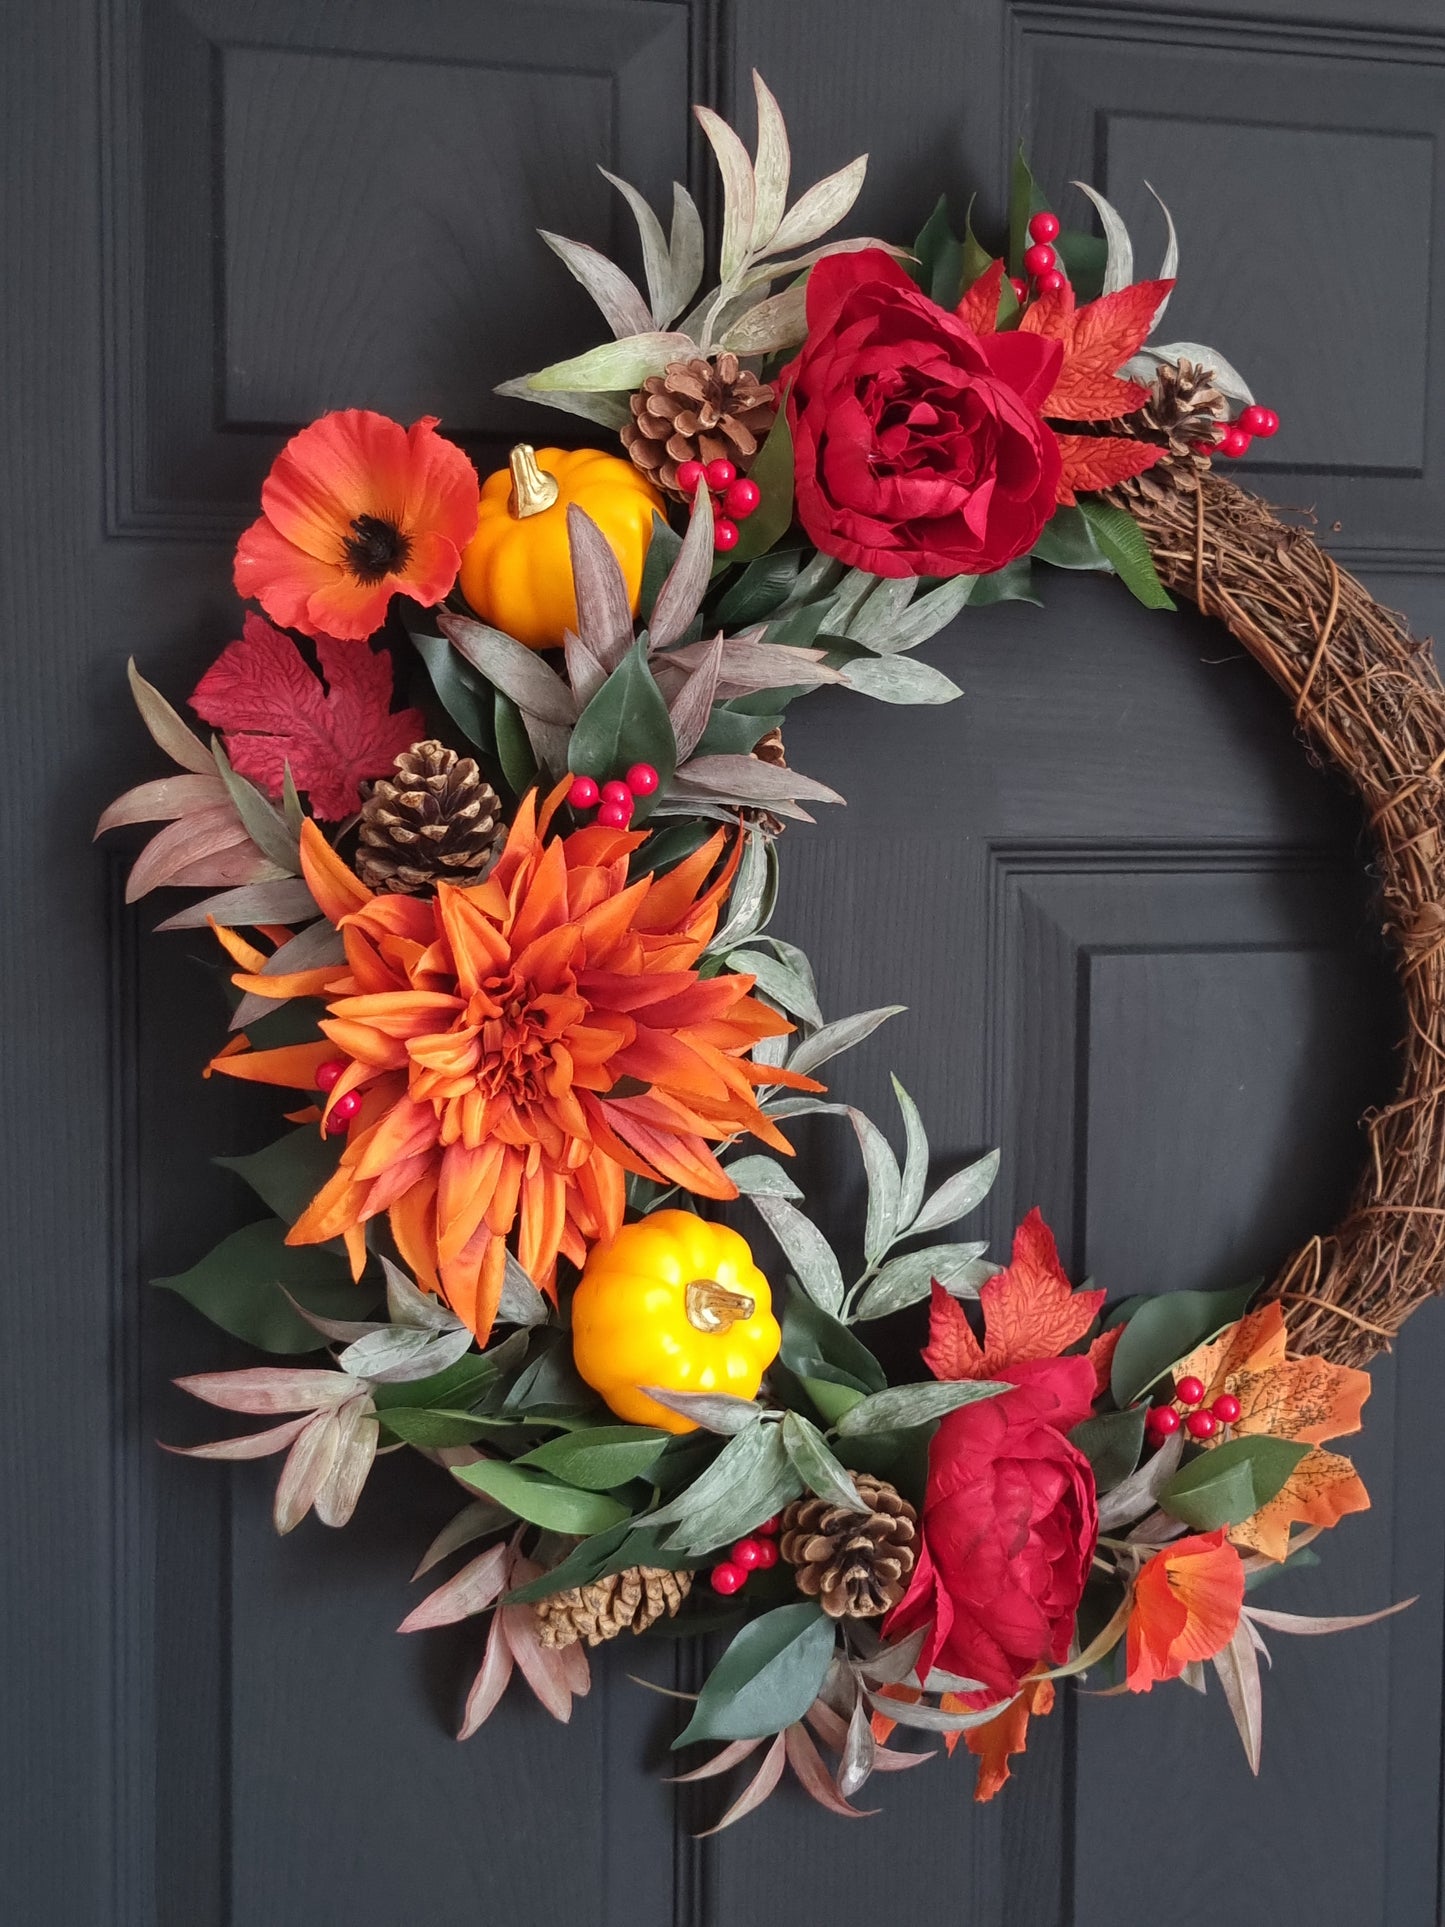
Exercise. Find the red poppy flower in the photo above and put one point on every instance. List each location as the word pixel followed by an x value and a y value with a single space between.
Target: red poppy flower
pixel 357 509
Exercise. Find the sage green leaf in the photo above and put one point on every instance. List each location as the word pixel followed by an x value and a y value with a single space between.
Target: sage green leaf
pixel 626 722
pixel 915 1161
pixel 959 1195
pixel 749 1480
pixel 713 1411
pixel 906 1279
pixel 1111 1443
pixel 767 1678
pixel 885 1185
pixel 779 983
pixel 816 1465
pixel 761 1177
pixel 460 690
pixel 833 1039
pixel 925 616
pixel 1229 1483
pixel 622 305
pixel 601 1456
pixel 821 208
pixel 760 590
pixel 544 1501
pixel 1122 542
pixel 899 679
pixel 287 1175
pixel 264 823
pixel 933 1719
pixel 616 367
pixel 806 1250
pixel 460 1385
pixel 773 473
pixel 902 1406
pixel 749 896
pixel 242 1284
pixel 1165 1329
pixel 608 411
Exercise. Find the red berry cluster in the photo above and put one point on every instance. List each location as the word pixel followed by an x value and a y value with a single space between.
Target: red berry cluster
pixel 1163 1420
pixel 734 497
pixel 1239 434
pixel 613 802
pixel 754 1554
pixel 328 1076
pixel 1041 262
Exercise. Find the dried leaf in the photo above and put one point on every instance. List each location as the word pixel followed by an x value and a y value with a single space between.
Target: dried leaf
pixel 1308 1623
pixel 682 591
pixel 541 1665
pixel 733 1754
pixel 251 1445
pixel 759 1787
pixel 307 1468
pixel 175 854
pixel 163 801
pixel 287 900
pixel 491 1681
pixel 691 708
pixel 1136 1495
pixel 477 1586
pixel 744 779
pixel 604 611
pixel 860 1752
pixel 623 308
pixel 807 1763
pixel 271 1388
pixel 336 1498
pixel 473 1522
pixel 1238 1669
pixel 167 729
pixel 517 671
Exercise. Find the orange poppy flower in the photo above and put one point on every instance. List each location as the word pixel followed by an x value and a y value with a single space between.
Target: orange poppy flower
pixel 1307 1399
pixel 357 509
pixel 1186 1607
pixel 519 1046
pixel 1006 1733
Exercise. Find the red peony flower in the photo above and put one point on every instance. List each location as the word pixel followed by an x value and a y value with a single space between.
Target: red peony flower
pixel 357 509
pixel 918 443
pixel 1009 1524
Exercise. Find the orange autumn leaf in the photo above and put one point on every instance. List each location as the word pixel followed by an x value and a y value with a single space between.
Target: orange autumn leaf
pixel 1099 461
pixel 1305 1399
pixel 1030 1311
pixel 1097 340
pixel 979 306
pixel 1185 1607
pixel 1003 1735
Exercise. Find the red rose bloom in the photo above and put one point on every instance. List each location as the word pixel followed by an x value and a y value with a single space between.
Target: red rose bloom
pixel 918 444
pixel 1009 1524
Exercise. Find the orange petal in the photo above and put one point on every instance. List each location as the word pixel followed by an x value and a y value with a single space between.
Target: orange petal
pixel 294 1065
pixel 236 947
pixel 337 891
pixel 1005 1734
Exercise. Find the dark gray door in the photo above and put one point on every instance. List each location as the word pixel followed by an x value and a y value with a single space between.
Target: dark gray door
pixel 1128 917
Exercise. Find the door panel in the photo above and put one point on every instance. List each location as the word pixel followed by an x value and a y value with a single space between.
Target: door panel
pixel 1129 919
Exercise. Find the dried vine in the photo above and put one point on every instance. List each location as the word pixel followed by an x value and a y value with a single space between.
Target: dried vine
pixel 1369 695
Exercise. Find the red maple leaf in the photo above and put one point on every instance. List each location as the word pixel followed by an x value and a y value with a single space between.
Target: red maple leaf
pixel 273 709
pixel 1098 461
pixel 1030 1311
pixel 979 306
pixel 1097 339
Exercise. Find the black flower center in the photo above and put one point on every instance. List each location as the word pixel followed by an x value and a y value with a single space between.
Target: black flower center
pixel 374 548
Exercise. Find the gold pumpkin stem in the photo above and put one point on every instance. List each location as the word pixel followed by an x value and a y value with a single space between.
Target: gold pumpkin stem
pixel 712 1307
pixel 533 489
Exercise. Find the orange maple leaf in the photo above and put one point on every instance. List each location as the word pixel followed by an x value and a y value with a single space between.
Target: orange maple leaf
pixel 1098 461
pixel 979 306
pixel 1030 1311
pixel 1097 340
pixel 1005 1733
pixel 1306 1399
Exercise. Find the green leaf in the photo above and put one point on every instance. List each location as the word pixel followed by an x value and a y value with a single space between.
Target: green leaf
pixel 940 267
pixel 600 1457
pixel 1164 1329
pixel 662 552
pixel 899 679
pixel 264 823
pixel 544 1501
pixel 901 1457
pixel 459 1386
pixel 760 590
pixel 733 732
pixel 1229 1483
pixel 908 1278
pixel 1012 583
pixel 760 1176
pixel 669 846
pixel 816 1465
pixel 806 1250
pixel 773 473
pixel 832 1398
pixel 1068 543
pixel 902 1406
pixel 1111 1443
pixel 1026 198
pixel 614 1550
pixel 976 258
pixel 626 722
pixel 514 748
pixel 287 1175
pixel 1122 541
pixel 616 367
pixel 749 1480
pixel 767 1678
pixel 1084 257
pixel 462 693
pixel 811 1337
pixel 417 1425
pixel 958 1195
pixel 241 1286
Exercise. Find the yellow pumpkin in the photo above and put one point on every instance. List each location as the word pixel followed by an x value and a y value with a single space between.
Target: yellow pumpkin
pixel 676 1303
pixel 517 569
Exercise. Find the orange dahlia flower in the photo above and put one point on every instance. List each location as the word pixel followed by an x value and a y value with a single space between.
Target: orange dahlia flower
pixel 1186 1607
pixel 357 509
pixel 518 1047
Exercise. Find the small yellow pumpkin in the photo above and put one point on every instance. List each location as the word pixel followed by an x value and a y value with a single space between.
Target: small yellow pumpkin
pixel 677 1303
pixel 517 569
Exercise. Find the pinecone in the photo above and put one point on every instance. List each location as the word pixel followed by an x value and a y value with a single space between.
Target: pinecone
pixel 697 411
pixel 769 749
pixel 1184 410
pixel 436 820
pixel 855 1564
pixel 609 1606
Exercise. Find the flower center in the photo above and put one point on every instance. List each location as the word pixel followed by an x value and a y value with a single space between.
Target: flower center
pixel 375 548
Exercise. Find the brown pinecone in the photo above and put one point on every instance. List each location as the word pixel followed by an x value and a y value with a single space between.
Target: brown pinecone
pixel 436 820
pixel 769 749
pixel 609 1606
pixel 697 411
pixel 855 1564
pixel 1184 410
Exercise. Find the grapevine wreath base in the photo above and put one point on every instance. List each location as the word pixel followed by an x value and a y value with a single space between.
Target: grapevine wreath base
pixel 509 949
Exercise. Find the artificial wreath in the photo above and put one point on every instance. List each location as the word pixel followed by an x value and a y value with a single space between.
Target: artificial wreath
pixel 511 957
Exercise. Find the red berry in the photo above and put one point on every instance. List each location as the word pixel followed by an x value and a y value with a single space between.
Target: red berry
pixel 742 498
pixel 1019 286
pixel 1226 1408
pixel 1044 227
pixel 1050 282
pixel 769 1527
pixel 1253 420
pixel 689 474
pixel 328 1074
pixel 612 816
pixel 615 792
pixel 1234 441
pixel 1201 1425
pixel 342 1111
pixel 747 1553
pixel 720 474
pixel 642 779
pixel 728 1577
pixel 1189 1391
pixel 583 793
pixel 1164 1420
pixel 767 1554
pixel 1039 258
pixel 1271 424
pixel 726 534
